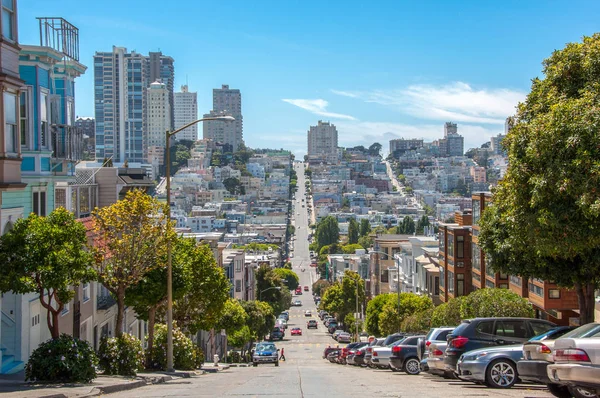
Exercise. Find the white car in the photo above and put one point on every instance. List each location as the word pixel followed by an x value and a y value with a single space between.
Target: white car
pixel 307 313
pixel 577 365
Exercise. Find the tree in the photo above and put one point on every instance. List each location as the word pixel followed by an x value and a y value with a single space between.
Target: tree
pixel 203 304
pixel 365 227
pixel 419 322
pixel 261 319
pixel 543 223
pixel 48 256
pixel 407 227
pixel 447 314
pixel 267 282
pixel 495 303
pixel 351 249
pixel 392 315
pixel 234 186
pixel 340 298
pixel 353 228
pixel 150 292
pixel 421 224
pixel 320 286
pixel 133 235
pixel 328 231
pixel 374 149
pixel 234 317
pixel 289 277
pixel 374 309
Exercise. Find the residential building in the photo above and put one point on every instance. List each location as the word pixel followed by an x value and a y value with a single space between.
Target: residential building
pixel 161 68
pixel 87 125
pixel 478 173
pixel 454 257
pixel 186 111
pixel 400 145
pixel 385 247
pixel 496 145
pixel 453 144
pixel 226 102
pixel 159 120
pixel 323 142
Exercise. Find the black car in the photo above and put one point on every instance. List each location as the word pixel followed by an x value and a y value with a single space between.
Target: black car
pixel 276 334
pixel 312 324
pixel 404 356
pixel 327 350
pixel 473 334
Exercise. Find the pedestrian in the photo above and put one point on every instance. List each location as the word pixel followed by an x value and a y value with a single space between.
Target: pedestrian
pixel 282 357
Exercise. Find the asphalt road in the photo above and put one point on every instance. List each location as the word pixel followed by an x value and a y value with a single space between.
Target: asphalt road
pixel 305 373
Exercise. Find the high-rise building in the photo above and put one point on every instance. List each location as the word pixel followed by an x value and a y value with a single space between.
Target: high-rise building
pixel 453 144
pixel 186 111
pixel 87 125
pixel 226 102
pixel 323 142
pixel 161 68
pixel 159 120
pixel 121 82
pixel 400 145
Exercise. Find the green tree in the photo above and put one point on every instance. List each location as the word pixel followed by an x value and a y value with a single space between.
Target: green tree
pixel 204 302
pixel 234 186
pixel 271 289
pixel 374 309
pixel 134 233
pixel 234 317
pixel 421 224
pixel 289 277
pixel 407 226
pixel 353 230
pixel 351 249
pixel 340 299
pixel 261 318
pixel 328 231
pixel 448 314
pixel 365 227
pixel 47 256
pixel 320 286
pixel 375 149
pixel 146 296
pixel 392 316
pixel 495 303
pixel 543 223
pixel 419 322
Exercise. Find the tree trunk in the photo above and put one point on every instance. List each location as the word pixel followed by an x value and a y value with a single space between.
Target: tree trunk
pixel 120 311
pixel 51 313
pixel 587 303
pixel 151 321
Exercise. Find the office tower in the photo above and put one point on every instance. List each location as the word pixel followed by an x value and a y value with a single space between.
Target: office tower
pixel 186 111
pixel 121 82
pixel 226 102
pixel 323 142
pixel 161 68
pixel 159 120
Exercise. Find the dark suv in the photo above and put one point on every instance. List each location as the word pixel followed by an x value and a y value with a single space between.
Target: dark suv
pixel 473 334
pixel 312 324
pixel 276 334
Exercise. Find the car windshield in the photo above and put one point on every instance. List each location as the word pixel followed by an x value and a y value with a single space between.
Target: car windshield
pixel 265 347
pixel 589 330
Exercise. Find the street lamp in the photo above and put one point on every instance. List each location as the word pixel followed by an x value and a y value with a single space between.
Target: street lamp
pixel 168 135
pixel 269 288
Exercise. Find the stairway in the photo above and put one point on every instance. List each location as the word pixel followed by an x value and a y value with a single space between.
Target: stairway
pixel 9 365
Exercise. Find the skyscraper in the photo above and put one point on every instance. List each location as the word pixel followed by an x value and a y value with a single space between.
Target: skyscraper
pixel 453 144
pixel 226 102
pixel 161 68
pixel 159 120
pixel 121 82
pixel 186 111
pixel 323 142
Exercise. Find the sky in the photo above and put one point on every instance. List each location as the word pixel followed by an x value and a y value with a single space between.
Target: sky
pixel 378 70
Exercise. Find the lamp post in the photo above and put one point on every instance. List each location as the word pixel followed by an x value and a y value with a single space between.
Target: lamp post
pixel 168 135
pixel 269 288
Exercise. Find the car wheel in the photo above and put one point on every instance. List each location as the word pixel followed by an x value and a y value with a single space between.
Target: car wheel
pixel 501 373
pixel 449 375
pixel 254 364
pixel 277 363
pixel 579 392
pixel 559 391
pixel 412 366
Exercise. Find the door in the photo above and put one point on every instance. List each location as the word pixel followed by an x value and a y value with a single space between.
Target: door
pixel 34 325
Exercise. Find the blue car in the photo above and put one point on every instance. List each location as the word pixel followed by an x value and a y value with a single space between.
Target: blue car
pixel 265 353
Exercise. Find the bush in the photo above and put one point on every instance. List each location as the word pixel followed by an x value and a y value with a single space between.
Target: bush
pixel 121 355
pixel 495 303
pixel 417 323
pixel 448 314
pixel 199 355
pixel 184 351
pixel 65 360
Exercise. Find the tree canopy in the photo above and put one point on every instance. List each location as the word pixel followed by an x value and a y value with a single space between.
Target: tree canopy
pixel 546 209
pixel 392 316
pixel 340 298
pixel 353 231
pixel 289 277
pixel 328 231
pixel 365 227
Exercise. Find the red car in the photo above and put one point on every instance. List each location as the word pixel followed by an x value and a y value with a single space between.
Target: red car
pixel 306 288
pixel 296 332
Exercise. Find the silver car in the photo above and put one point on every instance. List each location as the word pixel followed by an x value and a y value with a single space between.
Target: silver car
pixel 577 366
pixel 435 359
pixel 496 367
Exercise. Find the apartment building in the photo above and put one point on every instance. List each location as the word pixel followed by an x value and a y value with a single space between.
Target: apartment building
pixel 186 111
pixel 226 102
pixel 158 122
pixel 323 143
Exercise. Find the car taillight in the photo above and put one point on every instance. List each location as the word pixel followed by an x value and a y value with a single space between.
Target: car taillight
pixel 437 352
pixel 396 349
pixel 571 355
pixel 542 349
pixel 459 341
pixel 374 353
pixel 360 352
pixel 427 343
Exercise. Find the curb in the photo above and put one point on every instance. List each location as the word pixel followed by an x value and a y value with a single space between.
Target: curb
pixel 240 365
pixel 97 391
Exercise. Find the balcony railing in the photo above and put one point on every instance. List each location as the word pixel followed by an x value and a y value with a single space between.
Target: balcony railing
pixel 105 302
pixel 66 142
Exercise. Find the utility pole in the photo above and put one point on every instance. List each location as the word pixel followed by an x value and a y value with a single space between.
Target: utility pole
pixel 356 314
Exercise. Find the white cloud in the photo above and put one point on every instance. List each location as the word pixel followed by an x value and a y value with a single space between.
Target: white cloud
pixel 318 107
pixel 457 102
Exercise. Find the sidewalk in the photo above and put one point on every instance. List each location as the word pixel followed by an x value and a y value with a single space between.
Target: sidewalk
pixel 15 386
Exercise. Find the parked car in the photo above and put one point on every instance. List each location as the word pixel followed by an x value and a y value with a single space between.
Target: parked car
pixel 333 355
pixel 333 326
pixel 276 334
pixel 312 323
pixel 296 332
pixel 286 315
pixel 369 350
pixel 435 360
pixel 356 357
pixel 381 355
pixel 265 353
pixel 473 334
pixel 344 337
pixel 363 337
pixel 307 313
pixel 327 350
pixel 404 356
pixel 298 291
pixel 576 366
pixel 537 355
pixel 282 323
pixel 496 367
pixel 336 333
pixel 435 334
pixel 350 348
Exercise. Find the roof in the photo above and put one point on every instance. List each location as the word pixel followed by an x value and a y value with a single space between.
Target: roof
pixel 135 181
pixel 431 268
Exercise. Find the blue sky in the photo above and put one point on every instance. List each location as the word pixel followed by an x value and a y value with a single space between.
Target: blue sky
pixel 378 70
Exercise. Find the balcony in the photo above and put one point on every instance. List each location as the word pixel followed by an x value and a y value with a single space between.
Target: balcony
pixel 104 302
pixel 66 142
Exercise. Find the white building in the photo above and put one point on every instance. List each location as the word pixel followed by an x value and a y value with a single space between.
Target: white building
pixel 186 111
pixel 323 142
pixel 226 102
pixel 159 119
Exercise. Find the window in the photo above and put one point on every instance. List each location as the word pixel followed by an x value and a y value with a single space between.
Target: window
pixel 8 20
pixel 460 285
pixel 442 281
pixel 238 285
pixel 450 282
pixel 10 120
pixel 39 203
pixel 450 245
pixel 485 327
pixel 66 309
pixel 385 276
pixel 44 119
pixel 442 240
pixel 489 284
pixel 24 117
pixel 554 293
pixel 539 327
pixel 476 211
pixel 238 266
pixel 86 292
pixel 507 328
pixel 437 286
pixel 70 112
pixel 35 320
pixel 475 256
pixel 535 289
pixel 460 246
